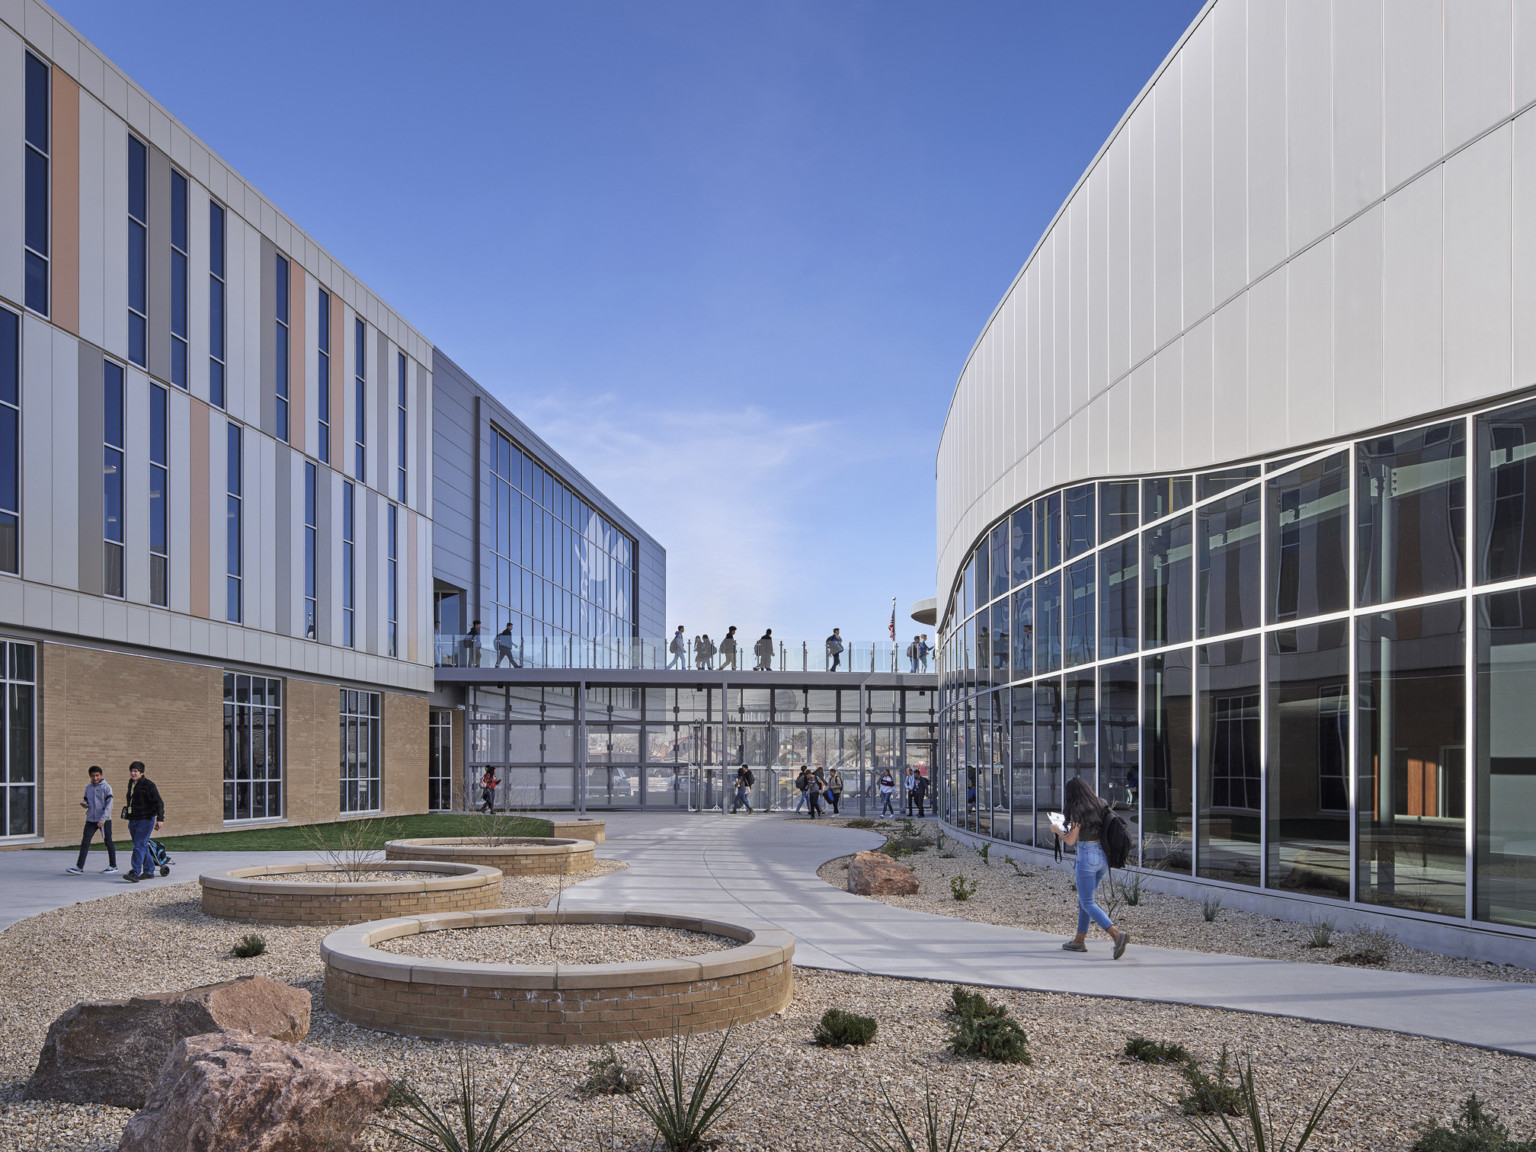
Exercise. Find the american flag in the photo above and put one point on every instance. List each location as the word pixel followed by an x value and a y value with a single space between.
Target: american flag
pixel 893 617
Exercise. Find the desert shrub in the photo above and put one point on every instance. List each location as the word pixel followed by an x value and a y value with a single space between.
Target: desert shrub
pixel 1210 907
pixel 1255 1127
pixel 985 852
pixel 1130 891
pixel 1156 1051
pixel 607 1076
pixel 1210 1095
pixel 900 844
pixel 1367 946
pixel 684 1108
pixel 861 822
pixel 984 1028
pixel 1475 1130
pixel 251 944
pixel 1320 933
pixel 961 888
pixel 840 1029
pixel 464 1125
pixel 938 1133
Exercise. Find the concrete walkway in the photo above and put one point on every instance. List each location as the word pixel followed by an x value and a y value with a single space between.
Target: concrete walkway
pixel 35 881
pixel 762 869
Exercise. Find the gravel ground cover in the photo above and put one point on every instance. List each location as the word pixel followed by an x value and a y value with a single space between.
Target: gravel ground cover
pixel 796 1097
pixel 557 944
pixel 1045 900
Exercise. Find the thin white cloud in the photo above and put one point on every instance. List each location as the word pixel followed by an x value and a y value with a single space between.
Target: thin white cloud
pixel 725 491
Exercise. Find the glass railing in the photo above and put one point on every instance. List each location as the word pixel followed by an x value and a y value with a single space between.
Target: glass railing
pixel 503 650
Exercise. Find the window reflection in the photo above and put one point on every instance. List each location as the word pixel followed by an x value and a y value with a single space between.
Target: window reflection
pixel 1308 530
pixel 1229 564
pixel 1410 505
pixel 1119 777
pixel 1119 587
pixel 1230 755
pixel 1506 457
pixel 1047 754
pixel 1167 816
pixel 1165 582
pixel 1504 877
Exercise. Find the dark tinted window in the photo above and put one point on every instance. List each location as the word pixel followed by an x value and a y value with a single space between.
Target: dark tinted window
pixel 1410 503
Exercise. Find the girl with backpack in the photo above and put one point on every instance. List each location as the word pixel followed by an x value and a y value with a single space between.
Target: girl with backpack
pixel 1086 817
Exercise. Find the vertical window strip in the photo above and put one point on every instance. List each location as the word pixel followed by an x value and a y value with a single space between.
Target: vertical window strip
pixel 253 747
pixel 234 518
pixel 138 252
pixel 348 573
pixel 180 262
pixel 400 428
pixel 361 389
pixel 311 551
pixel 159 495
pixel 37 177
pixel 394 581
pixel 361 762
pixel 18 753
pixel 280 350
pixel 112 479
pixel 215 304
pixel 323 374
pixel 10 442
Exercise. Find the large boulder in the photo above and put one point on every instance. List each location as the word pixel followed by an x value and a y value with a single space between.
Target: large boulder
pixel 110 1051
pixel 235 1092
pixel 876 874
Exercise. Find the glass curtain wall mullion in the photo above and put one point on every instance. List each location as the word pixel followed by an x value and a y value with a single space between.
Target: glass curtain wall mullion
pixel 1470 737
pixel 10 442
pixel 37 179
pixel 112 480
pixel 138 252
pixel 159 497
pixel 216 225
pixel 180 266
pixel 280 344
pixel 1354 689
pixel 323 376
pixel 234 525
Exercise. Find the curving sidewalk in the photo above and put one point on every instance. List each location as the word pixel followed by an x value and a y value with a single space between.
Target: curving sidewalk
pixel 763 869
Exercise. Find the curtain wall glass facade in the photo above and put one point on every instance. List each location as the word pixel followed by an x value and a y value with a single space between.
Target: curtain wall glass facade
pixel 1311 674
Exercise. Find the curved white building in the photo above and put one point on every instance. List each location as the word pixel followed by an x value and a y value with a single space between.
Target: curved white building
pixel 1232 492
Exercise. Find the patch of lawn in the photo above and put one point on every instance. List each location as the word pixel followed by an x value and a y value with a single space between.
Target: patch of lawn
pixel 299 837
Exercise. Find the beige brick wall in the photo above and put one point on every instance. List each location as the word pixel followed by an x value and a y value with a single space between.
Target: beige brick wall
pixel 323 907
pixel 510 860
pixel 554 1016
pixel 99 706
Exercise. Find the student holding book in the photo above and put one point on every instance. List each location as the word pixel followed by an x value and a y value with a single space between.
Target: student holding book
pixel 1082 824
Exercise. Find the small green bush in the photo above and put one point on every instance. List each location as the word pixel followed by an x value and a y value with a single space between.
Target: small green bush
pixel 961 888
pixel 840 1029
pixel 1475 1130
pixel 1131 892
pixel 607 1076
pixel 1320 933
pixel 861 822
pixel 982 1027
pixel 1255 1127
pixel 985 852
pixel 251 944
pixel 1211 1095
pixel 1156 1051
pixel 1210 907
pixel 965 1005
pixel 900 844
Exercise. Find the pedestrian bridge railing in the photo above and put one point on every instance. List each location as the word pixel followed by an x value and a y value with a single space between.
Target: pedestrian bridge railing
pixel 507 650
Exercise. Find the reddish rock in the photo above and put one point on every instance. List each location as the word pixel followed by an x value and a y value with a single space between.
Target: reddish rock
pixel 235 1092
pixel 110 1051
pixel 876 874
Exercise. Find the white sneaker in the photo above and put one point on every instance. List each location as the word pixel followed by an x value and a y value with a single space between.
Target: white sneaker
pixel 73 871
pixel 110 868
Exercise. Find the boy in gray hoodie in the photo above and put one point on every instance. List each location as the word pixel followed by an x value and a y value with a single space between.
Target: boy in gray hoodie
pixel 98 814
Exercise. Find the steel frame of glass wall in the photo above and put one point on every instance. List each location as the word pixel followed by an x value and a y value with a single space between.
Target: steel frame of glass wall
pixel 640 745
pixel 1226 663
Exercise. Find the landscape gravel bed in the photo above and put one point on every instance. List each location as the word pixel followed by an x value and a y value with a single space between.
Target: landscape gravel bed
pixel 1079 1089
pixel 1045 900
pixel 557 944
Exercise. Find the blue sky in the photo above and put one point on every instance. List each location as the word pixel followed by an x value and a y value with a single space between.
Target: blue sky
pixel 727 258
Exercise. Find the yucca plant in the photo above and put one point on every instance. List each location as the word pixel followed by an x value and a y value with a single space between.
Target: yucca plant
pixel 1254 1127
pixel 684 1112
pixel 461 1126
pixel 936 1135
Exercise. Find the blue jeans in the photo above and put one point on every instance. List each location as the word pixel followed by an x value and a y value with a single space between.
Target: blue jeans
pixel 140 830
pixel 1092 868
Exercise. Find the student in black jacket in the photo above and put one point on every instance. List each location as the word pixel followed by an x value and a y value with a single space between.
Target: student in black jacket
pixel 145 813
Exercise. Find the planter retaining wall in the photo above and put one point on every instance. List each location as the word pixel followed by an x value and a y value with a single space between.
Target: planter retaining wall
pixel 260 896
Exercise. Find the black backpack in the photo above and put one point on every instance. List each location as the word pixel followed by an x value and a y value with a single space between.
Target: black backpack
pixel 1116 838
pixel 749 778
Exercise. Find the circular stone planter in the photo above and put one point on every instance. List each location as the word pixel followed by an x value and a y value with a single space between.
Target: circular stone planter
pixel 581 828
pixel 515 856
pixel 262 896
pixel 554 1003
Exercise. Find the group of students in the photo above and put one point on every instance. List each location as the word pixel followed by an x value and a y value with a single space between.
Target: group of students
pixel 144 811
pixel 815 785
pixel 729 650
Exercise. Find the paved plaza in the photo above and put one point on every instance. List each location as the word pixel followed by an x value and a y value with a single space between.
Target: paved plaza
pixel 762 869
